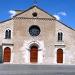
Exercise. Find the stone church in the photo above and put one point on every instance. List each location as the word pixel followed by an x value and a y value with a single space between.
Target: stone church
pixel 35 37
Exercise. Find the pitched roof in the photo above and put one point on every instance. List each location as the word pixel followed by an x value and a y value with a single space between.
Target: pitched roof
pixel 41 10
pixel 32 8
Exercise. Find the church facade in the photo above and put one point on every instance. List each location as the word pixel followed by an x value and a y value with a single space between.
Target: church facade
pixel 35 37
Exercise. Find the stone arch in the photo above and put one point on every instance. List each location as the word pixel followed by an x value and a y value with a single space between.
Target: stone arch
pixel 7 54
pixel 59 55
pixel 34 44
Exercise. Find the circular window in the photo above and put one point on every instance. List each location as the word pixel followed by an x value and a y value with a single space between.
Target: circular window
pixel 34 30
pixel 34 14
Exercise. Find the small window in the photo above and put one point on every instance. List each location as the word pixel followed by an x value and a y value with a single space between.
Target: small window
pixel 8 34
pixel 60 36
pixel 34 14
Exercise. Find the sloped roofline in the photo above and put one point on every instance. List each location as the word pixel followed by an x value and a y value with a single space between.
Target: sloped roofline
pixel 41 10
pixel 32 8
pixel 65 25
pixel 6 20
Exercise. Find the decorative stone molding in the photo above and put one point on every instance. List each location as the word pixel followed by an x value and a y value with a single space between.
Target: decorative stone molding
pixel 7 44
pixel 34 42
pixel 50 19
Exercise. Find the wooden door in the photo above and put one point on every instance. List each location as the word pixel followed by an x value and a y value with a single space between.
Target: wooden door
pixel 34 55
pixel 7 54
pixel 59 56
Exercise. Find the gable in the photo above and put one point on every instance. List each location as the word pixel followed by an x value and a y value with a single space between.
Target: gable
pixel 40 13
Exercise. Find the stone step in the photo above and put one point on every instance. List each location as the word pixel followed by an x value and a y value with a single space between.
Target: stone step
pixel 18 69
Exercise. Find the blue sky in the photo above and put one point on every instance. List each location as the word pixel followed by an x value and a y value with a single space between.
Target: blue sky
pixel 64 10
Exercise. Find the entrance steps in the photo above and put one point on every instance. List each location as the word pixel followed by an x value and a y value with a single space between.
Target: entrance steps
pixel 14 69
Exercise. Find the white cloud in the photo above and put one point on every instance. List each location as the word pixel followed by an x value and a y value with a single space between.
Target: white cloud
pixel 62 13
pixel 12 13
pixel 57 17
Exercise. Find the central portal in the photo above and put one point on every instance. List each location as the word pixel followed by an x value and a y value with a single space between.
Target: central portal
pixel 33 54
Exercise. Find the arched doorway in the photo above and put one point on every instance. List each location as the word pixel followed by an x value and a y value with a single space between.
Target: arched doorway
pixel 59 55
pixel 7 54
pixel 33 54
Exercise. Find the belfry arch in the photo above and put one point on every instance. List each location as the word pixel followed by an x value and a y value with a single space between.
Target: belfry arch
pixel 31 48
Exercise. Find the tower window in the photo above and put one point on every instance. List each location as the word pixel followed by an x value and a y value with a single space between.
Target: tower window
pixel 8 34
pixel 60 36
